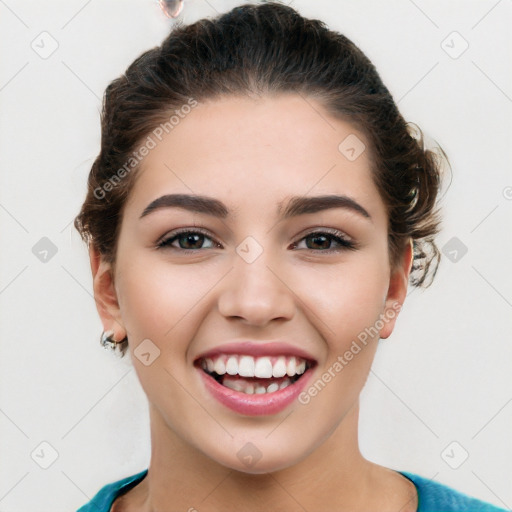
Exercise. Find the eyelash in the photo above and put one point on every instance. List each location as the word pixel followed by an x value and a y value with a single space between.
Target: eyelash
pixel 334 234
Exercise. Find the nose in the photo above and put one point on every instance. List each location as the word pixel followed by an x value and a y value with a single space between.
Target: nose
pixel 257 292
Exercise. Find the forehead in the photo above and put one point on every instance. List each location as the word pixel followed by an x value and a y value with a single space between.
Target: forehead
pixel 247 150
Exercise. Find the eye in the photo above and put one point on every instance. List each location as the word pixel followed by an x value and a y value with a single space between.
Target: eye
pixel 324 240
pixel 193 240
pixel 187 239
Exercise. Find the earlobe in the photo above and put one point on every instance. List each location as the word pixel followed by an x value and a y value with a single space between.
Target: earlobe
pixel 397 291
pixel 105 294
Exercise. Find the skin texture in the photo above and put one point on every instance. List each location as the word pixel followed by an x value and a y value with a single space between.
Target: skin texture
pixel 252 154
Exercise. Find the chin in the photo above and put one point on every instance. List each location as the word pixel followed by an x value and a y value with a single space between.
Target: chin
pixel 254 461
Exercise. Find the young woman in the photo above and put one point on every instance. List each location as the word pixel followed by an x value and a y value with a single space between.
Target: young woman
pixel 255 215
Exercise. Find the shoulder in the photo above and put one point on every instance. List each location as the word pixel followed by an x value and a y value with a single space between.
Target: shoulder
pixel 102 501
pixel 434 497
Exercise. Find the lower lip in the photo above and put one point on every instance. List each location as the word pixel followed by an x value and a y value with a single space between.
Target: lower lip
pixel 256 404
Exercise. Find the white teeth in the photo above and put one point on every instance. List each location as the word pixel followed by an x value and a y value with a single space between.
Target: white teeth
pixel 263 368
pixel 291 368
pixel 219 367
pixel 279 369
pixel 234 384
pixel 232 366
pixel 246 366
pixel 272 387
pixel 301 367
pixel 251 388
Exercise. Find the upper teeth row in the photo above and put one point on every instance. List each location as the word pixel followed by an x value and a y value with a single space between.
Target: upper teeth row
pixel 248 366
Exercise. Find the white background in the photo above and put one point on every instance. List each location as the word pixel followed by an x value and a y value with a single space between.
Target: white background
pixel 443 376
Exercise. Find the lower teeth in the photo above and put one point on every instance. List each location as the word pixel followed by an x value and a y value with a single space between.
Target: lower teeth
pixel 245 386
pixel 250 388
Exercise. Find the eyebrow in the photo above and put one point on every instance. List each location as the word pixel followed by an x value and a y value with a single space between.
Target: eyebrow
pixel 297 205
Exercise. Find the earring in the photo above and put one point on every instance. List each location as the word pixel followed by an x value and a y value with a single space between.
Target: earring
pixel 108 342
pixel 171 8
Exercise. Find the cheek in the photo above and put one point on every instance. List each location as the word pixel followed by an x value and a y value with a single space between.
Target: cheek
pixel 160 301
pixel 346 298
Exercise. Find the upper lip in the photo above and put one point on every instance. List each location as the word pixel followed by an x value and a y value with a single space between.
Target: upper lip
pixel 258 349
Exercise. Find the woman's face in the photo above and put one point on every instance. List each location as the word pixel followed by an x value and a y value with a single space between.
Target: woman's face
pixel 258 271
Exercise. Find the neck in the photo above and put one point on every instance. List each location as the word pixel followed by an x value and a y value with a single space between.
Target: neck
pixel 333 475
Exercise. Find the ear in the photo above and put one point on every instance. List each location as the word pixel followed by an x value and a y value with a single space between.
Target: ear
pixel 105 294
pixel 397 291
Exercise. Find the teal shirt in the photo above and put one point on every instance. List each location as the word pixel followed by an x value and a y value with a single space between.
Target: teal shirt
pixel 433 496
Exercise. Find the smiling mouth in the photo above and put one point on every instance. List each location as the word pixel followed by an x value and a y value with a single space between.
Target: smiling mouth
pixel 250 375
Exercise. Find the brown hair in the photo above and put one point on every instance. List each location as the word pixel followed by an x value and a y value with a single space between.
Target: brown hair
pixel 265 49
